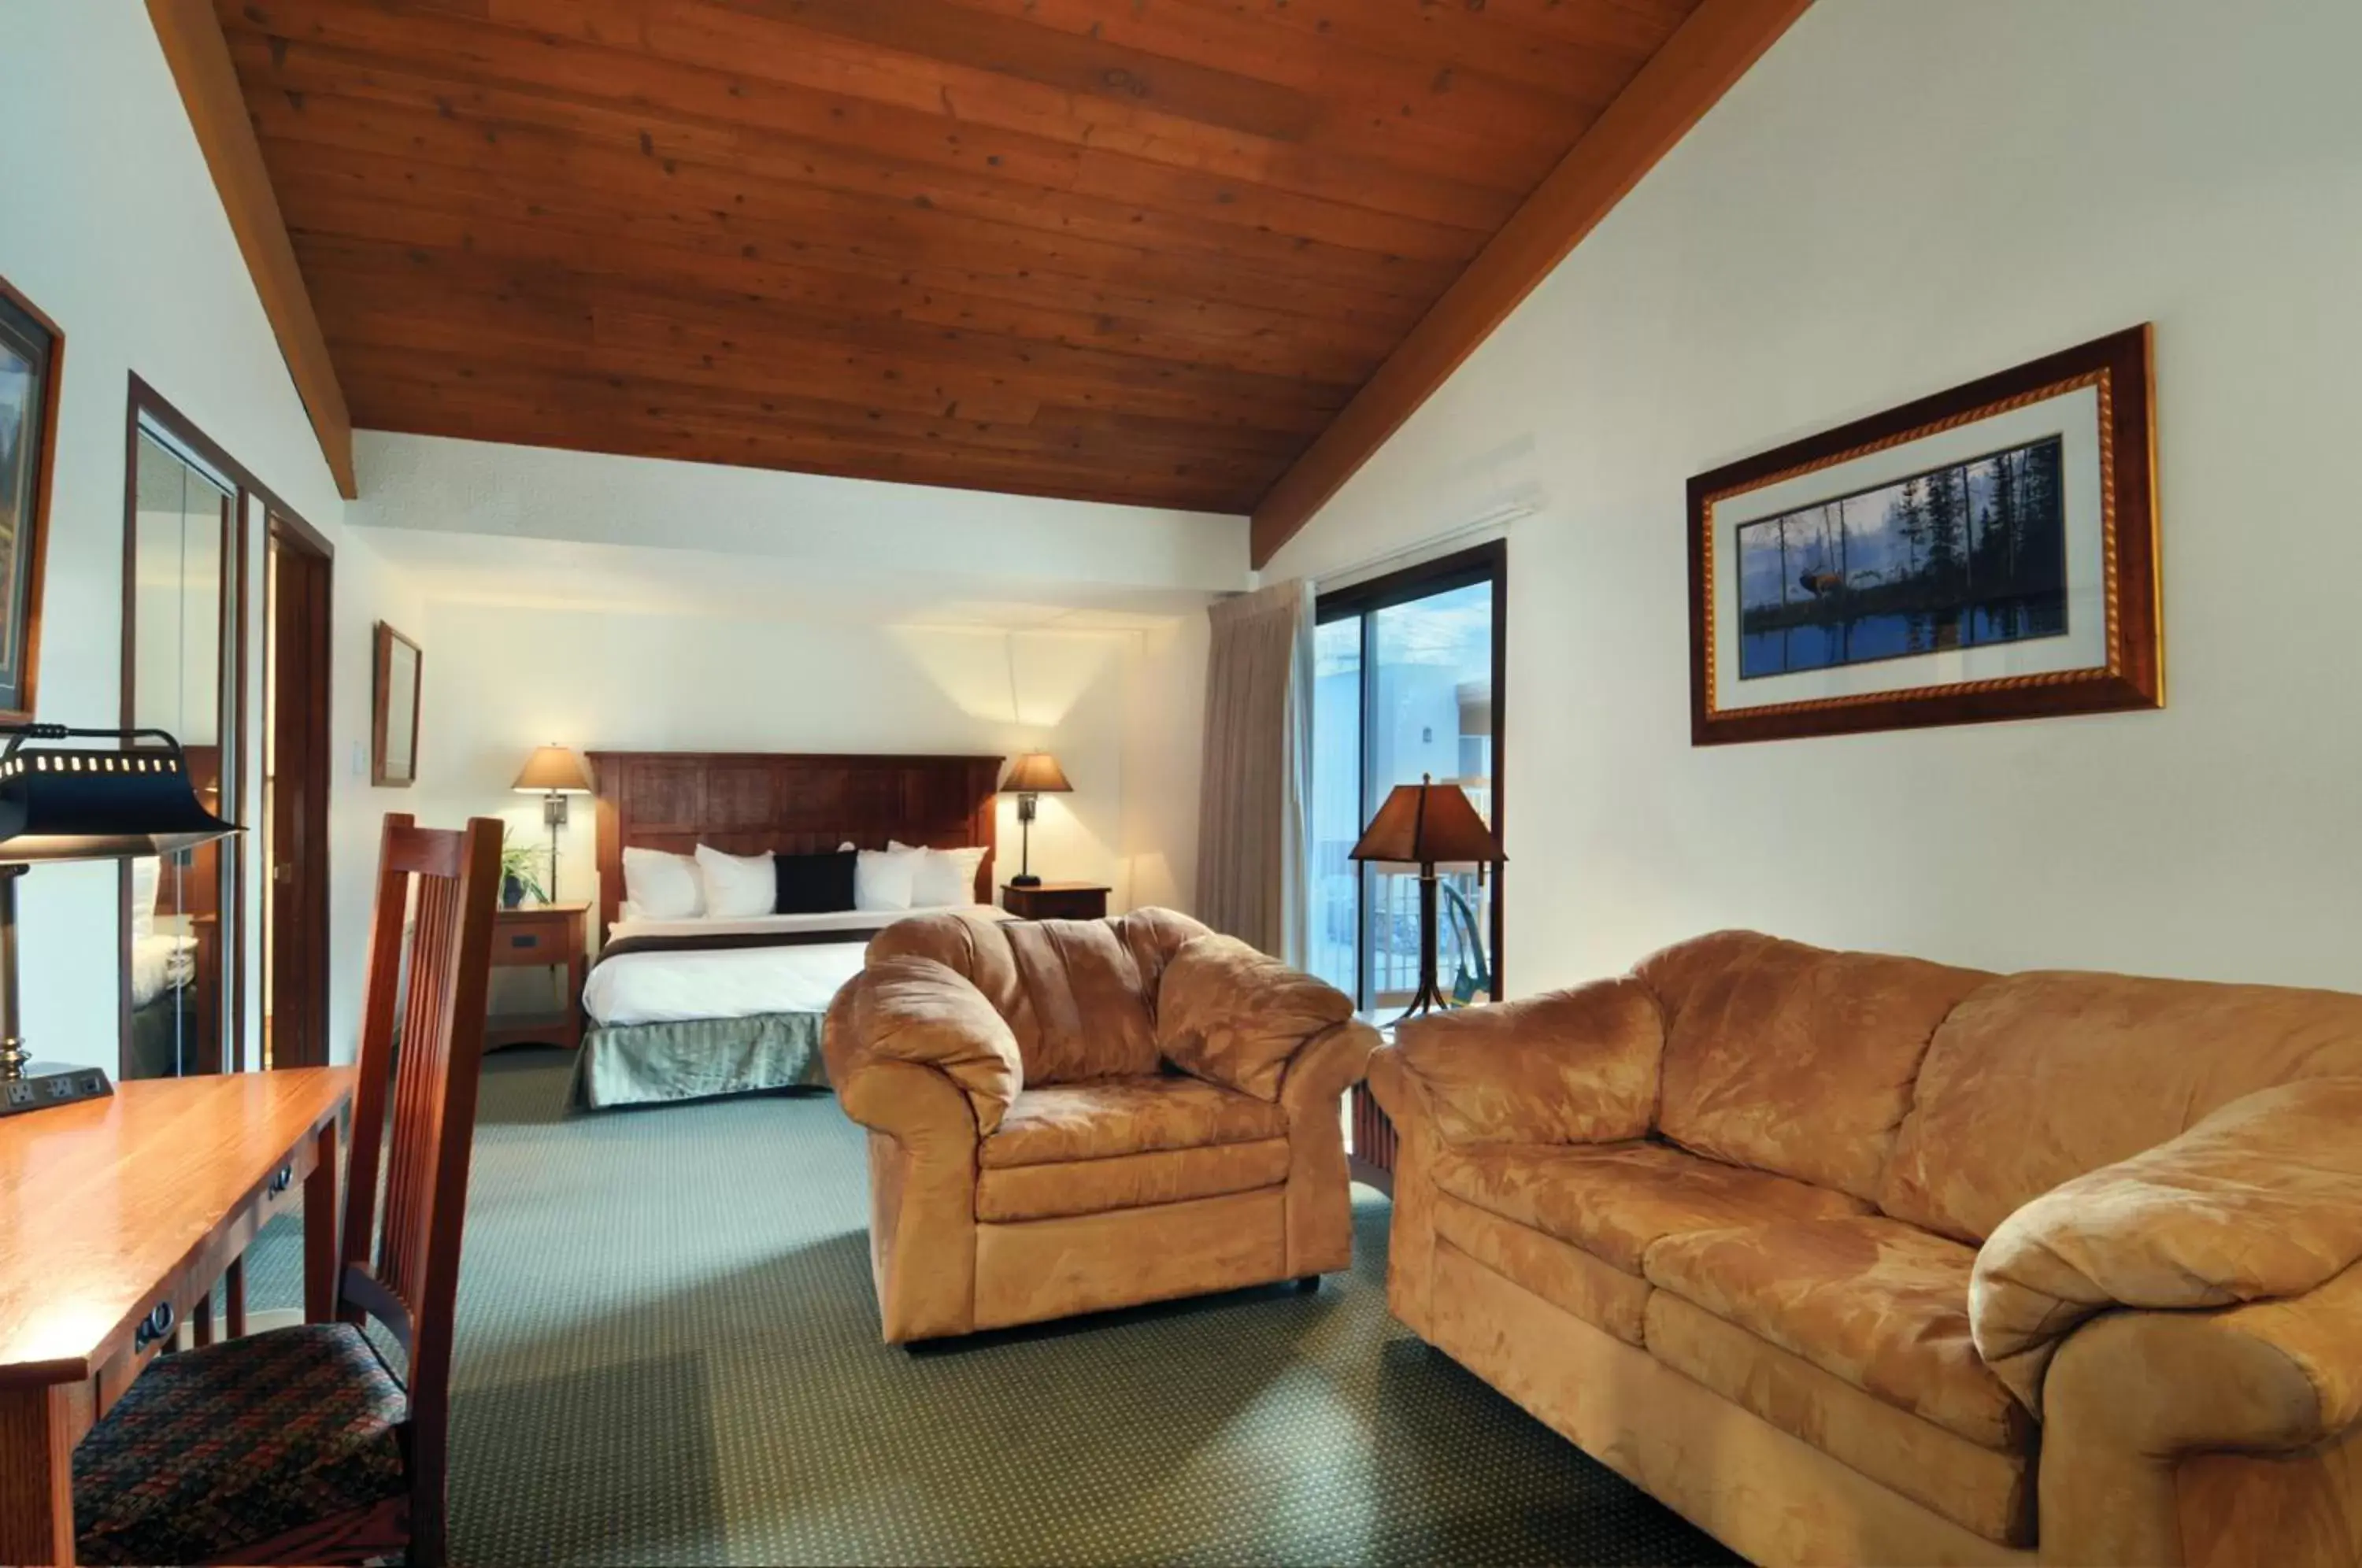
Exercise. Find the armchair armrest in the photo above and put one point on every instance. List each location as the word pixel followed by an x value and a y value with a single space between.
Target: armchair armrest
pixel 918 1014
pixel 1236 1017
pixel 2260 1202
pixel 1571 1066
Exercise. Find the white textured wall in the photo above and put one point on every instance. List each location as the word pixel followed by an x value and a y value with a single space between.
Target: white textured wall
pixel 1903 195
pixel 109 222
pixel 501 679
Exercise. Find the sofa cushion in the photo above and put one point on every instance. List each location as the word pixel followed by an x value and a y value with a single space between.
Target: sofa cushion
pixel 1613 1199
pixel 1880 1304
pixel 1978 1489
pixel 1792 1058
pixel 2044 1077
pixel 1078 995
pixel 1235 1016
pixel 1125 1116
pixel 1565 1275
pixel 1005 1193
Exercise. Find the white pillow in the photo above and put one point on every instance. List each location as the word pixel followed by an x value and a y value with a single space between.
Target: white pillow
pixel 737 886
pixel 945 876
pixel 662 885
pixel 882 879
pixel 147 876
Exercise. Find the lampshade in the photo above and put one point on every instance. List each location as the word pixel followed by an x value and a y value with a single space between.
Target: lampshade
pixel 62 803
pixel 553 770
pixel 1428 823
pixel 1035 773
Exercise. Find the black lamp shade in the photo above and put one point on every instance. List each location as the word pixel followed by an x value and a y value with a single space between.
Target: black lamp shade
pixel 59 804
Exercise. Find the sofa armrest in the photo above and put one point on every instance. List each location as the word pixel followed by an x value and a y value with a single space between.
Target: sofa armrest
pixel 1571 1066
pixel 919 1014
pixel 2260 1202
pixel 1237 1016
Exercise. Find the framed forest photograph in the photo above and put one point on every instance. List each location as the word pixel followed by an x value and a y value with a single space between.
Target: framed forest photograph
pixel 1986 553
pixel 32 350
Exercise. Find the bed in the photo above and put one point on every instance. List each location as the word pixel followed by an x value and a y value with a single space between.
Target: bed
pixel 691 1009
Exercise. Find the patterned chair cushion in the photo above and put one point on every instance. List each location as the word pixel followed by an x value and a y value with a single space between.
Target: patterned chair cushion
pixel 236 1442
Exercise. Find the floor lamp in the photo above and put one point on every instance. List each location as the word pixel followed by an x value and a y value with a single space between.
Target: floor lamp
pixel 1426 825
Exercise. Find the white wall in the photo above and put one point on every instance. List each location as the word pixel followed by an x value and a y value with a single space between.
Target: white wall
pixel 501 679
pixel 113 227
pixel 1903 195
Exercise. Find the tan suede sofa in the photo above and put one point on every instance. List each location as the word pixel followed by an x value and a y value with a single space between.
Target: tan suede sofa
pixel 1861 1259
pixel 1071 1115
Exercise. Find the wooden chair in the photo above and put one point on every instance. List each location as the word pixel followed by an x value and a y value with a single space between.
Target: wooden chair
pixel 301 1445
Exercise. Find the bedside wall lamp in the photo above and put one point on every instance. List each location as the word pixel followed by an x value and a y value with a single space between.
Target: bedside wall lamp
pixel 1030 777
pixel 71 803
pixel 553 772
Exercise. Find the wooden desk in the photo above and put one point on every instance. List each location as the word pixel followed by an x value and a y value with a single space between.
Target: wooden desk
pixel 116 1217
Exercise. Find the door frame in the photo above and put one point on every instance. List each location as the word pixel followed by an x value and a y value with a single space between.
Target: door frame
pixel 1486 562
pixel 299 710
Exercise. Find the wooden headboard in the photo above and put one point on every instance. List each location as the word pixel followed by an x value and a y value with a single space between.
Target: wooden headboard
pixel 747 803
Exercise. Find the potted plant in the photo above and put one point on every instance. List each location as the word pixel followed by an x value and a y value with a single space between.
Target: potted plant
pixel 521 873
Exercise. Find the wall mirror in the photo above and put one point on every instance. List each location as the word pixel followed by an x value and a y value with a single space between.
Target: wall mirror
pixel 181 616
pixel 393 753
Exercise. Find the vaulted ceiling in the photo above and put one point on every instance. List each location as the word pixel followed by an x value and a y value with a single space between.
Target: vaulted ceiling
pixel 1133 251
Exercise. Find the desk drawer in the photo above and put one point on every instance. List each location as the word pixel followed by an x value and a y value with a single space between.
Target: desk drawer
pixel 533 939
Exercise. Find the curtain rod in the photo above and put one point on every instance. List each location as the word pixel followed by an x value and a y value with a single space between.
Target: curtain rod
pixel 1489 523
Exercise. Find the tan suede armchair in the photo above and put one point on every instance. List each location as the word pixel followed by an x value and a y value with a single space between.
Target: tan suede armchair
pixel 1067 1116
pixel 1861 1259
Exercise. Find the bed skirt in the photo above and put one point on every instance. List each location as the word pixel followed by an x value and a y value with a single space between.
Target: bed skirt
pixel 643 1063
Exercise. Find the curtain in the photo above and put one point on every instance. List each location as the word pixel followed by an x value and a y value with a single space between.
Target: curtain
pixel 1253 797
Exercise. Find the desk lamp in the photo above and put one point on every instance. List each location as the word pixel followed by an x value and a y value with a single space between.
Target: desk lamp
pixel 71 803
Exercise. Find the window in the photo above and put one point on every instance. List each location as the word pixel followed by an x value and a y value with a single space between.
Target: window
pixel 1408 678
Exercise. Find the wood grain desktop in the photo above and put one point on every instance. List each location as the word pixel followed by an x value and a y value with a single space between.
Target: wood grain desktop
pixel 116 1217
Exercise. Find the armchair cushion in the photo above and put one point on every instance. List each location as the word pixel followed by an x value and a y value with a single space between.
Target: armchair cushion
pixel 1236 1017
pixel 1572 1066
pixel 2261 1200
pixel 916 1009
pixel 1114 1117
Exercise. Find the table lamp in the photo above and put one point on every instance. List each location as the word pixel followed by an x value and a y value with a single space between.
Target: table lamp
pixel 70 803
pixel 1423 825
pixel 553 772
pixel 1033 774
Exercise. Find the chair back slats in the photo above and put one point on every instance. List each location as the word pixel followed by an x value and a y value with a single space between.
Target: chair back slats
pixel 414 1117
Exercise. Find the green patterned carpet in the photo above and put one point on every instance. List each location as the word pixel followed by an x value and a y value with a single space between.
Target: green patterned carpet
pixel 668 1353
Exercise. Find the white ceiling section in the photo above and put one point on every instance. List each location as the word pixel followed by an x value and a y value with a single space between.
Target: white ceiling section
pixel 486 524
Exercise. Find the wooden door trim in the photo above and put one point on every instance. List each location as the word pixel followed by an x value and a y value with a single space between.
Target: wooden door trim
pixel 307 905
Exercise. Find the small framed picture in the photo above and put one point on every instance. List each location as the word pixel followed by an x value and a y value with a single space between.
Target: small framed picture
pixel 393 724
pixel 1987 553
pixel 32 353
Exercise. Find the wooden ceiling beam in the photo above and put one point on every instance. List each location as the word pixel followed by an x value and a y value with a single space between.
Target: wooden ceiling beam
pixel 1705 57
pixel 200 61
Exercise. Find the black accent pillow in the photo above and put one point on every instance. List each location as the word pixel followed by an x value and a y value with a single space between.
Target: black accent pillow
pixel 815 884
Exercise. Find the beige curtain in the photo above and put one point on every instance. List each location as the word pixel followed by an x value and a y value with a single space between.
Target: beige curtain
pixel 1257 773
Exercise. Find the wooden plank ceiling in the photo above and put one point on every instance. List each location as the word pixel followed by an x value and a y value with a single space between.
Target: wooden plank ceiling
pixel 1130 250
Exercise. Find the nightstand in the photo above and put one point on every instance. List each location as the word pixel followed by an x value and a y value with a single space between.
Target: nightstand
pixel 553 936
pixel 1056 901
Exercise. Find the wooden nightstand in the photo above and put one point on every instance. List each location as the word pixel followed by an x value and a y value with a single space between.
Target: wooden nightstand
pixel 1056 901
pixel 542 936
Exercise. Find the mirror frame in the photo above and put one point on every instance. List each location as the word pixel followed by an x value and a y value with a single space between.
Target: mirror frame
pixel 35 538
pixel 382 718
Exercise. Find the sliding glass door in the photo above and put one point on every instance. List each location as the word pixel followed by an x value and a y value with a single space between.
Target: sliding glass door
pixel 1407 675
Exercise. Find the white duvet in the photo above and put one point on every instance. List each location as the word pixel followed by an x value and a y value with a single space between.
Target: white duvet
pixel 732 982
pixel 160 962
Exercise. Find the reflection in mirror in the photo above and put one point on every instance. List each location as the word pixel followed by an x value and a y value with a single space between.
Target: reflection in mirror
pixel 394 724
pixel 176 639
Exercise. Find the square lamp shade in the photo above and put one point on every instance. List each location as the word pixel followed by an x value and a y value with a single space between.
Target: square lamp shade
pixel 1428 823
pixel 553 770
pixel 1036 773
